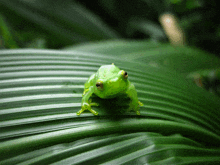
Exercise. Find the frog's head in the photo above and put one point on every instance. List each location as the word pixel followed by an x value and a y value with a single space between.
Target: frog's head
pixel 110 82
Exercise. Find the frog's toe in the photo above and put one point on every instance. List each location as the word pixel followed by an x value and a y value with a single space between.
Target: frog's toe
pixel 140 103
pixel 79 112
pixel 94 104
pixel 93 112
pixel 138 113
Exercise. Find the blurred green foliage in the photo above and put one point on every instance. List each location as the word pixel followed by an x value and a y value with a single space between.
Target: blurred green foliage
pixel 55 24
pixel 6 39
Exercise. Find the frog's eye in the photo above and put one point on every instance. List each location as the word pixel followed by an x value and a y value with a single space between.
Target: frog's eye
pixel 125 74
pixel 99 85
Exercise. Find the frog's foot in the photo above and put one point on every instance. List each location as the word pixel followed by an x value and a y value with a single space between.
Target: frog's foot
pixel 138 112
pixel 134 106
pixel 135 109
pixel 93 104
pixel 91 110
pixel 88 107
pixel 140 103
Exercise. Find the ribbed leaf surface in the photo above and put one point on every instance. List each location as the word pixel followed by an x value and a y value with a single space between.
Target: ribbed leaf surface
pixel 41 92
pixel 181 59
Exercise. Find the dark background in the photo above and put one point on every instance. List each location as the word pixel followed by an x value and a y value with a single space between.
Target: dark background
pixel 56 24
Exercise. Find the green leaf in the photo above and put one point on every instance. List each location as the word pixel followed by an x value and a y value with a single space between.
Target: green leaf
pixel 41 92
pixel 67 22
pixel 7 38
pixel 182 59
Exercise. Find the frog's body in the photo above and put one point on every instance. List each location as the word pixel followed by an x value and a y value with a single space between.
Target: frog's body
pixel 109 82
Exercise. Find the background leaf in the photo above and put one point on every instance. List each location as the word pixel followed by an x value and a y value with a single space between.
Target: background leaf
pixel 66 22
pixel 179 58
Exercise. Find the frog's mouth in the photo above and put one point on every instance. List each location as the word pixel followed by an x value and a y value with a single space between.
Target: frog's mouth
pixel 112 88
pixel 110 96
pixel 112 93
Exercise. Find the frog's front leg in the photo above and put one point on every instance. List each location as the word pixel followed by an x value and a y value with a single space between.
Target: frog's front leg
pixel 134 104
pixel 86 102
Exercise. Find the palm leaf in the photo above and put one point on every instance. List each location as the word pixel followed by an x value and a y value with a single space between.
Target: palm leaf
pixel 41 92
